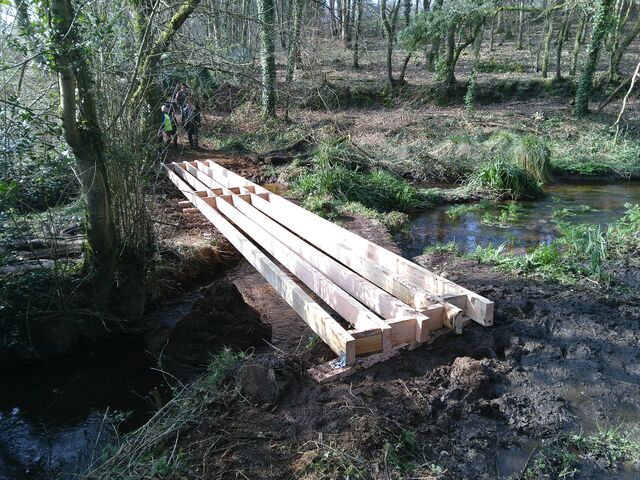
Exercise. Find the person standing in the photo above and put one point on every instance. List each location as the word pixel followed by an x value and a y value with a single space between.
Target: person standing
pixel 191 121
pixel 181 97
pixel 168 131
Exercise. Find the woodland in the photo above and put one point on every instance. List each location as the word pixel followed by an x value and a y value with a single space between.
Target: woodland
pixel 494 142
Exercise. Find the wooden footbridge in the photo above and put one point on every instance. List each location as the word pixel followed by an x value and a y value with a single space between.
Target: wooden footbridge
pixel 387 303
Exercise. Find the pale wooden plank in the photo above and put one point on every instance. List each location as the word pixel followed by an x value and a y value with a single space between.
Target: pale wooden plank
pixel 330 331
pixel 477 307
pixel 339 300
pixel 399 287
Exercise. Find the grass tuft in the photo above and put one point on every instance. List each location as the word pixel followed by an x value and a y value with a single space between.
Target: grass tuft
pixel 377 189
pixel 506 180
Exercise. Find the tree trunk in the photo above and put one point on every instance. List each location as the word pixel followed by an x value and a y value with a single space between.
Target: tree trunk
pixel 389 20
pixel 147 88
pixel 407 12
pixel 562 35
pixel 346 22
pixel 520 26
pixel 616 57
pixel 577 44
pixel 449 73
pixel 266 13
pixel 331 6
pixel 356 32
pixel 588 71
pixel 435 46
pixel 294 41
pixel 83 134
pixel 493 33
pixel 547 47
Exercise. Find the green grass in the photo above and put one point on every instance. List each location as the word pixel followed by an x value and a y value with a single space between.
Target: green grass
pixel 448 247
pixel 568 212
pixel 505 180
pixel 510 214
pixel 499 66
pixel 458 211
pixel 150 451
pixel 561 457
pixel 595 154
pixel 377 189
pixel 530 152
pixel 393 221
pixel 579 251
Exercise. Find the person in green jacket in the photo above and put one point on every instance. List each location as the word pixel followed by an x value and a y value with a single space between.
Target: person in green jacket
pixel 168 131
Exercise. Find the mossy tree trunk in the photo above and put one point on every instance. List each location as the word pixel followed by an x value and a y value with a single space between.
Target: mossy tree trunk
pixel 547 46
pixel 577 43
pixel 519 44
pixel 357 26
pixel 266 13
pixel 407 12
pixel 433 52
pixel 389 17
pixel 622 47
pixel 147 90
pixel 562 35
pixel 346 22
pixel 585 84
pixel 293 59
pixel 83 134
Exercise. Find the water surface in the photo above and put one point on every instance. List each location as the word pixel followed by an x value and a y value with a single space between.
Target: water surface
pixel 534 225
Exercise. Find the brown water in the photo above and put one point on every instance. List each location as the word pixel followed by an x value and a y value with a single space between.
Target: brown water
pixel 534 225
pixel 53 415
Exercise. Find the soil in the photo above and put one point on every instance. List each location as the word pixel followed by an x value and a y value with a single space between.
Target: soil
pixel 478 405
pixel 557 359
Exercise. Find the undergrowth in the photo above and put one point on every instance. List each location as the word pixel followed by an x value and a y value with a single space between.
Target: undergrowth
pixel 150 452
pixel 563 456
pixel 594 154
pixel 505 180
pixel 377 189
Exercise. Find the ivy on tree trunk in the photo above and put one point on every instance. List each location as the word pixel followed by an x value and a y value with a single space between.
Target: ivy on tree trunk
pixel 600 23
pixel 83 134
pixel 266 12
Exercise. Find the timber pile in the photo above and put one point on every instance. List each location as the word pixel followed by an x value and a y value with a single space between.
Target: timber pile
pixel 389 302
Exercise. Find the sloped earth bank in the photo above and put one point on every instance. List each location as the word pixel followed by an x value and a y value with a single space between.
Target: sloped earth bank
pixel 477 405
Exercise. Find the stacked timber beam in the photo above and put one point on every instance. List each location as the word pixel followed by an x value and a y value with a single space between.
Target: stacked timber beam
pixel 388 302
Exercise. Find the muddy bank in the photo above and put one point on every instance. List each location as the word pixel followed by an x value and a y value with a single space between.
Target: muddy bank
pixel 476 406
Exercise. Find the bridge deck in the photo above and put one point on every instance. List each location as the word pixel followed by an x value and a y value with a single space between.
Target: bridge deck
pixel 387 302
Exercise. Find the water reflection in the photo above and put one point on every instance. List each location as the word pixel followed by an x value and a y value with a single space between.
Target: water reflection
pixel 534 223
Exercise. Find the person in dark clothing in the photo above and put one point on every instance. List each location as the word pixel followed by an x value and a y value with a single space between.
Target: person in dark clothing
pixel 191 121
pixel 181 97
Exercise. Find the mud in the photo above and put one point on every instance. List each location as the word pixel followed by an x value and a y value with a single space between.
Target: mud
pixel 558 359
pixel 194 327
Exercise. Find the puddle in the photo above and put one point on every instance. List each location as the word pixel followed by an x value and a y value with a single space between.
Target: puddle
pixel 52 414
pixel 512 461
pixel 534 223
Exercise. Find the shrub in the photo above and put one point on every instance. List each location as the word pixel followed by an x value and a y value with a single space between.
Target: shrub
pixel 528 151
pixel 533 155
pixel 506 180
pixel 378 189
pixel 596 154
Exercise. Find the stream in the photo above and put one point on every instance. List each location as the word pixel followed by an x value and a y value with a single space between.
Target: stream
pixel 53 422
pixel 533 222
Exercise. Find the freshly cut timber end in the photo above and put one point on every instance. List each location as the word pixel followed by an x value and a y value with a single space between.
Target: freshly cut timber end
pixel 388 302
